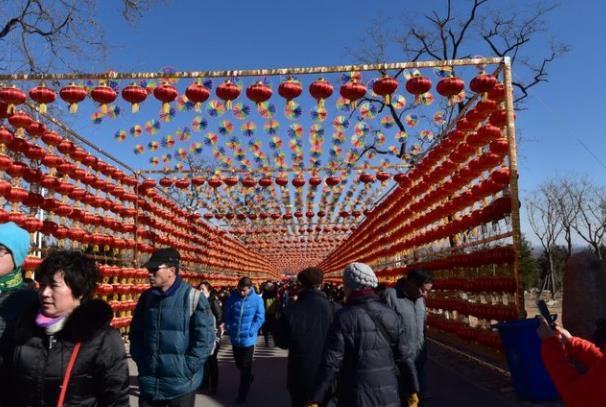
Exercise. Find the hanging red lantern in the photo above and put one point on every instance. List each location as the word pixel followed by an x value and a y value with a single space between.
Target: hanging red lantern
pixel 20 121
pixel 499 146
pixel 482 83
pixel 320 90
pixel 486 106
pixel 418 85
pixel 12 96
pixel 290 89
pixel 332 181
pixel 489 133
pixel 166 182
pixel 352 91
pixel 3 110
pixel 259 92
pixel 382 176
pixel 298 181
pixel 385 87
pixel 182 183
pixel 498 118
pixel 197 94
pixel 215 182
pixel 228 92
pixel 230 181
pixel 198 181
pixel 314 180
pixel 282 181
pixel 43 96
pixel 497 93
pixel 51 138
pixel 103 95
pixel 265 182
pixel 135 95
pixel 367 178
pixel 165 93
pixel 73 94
pixel 36 129
pixel 450 87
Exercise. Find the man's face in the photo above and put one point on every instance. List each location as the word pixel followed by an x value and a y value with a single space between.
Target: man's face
pixel 162 276
pixel 416 290
pixel 243 290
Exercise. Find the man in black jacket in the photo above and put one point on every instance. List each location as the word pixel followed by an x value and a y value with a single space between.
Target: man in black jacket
pixel 303 330
pixel 365 348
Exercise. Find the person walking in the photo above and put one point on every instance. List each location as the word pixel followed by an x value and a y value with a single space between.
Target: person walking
pixel 211 368
pixel 365 348
pixel 244 315
pixel 65 348
pixel 407 299
pixel 14 295
pixel 171 336
pixel 303 330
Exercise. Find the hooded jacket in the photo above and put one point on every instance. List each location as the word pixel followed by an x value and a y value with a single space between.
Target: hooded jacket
pixel 413 315
pixel 169 346
pixel 100 374
pixel 243 317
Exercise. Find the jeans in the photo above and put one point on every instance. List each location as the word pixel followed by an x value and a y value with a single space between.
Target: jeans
pixel 187 400
pixel 244 359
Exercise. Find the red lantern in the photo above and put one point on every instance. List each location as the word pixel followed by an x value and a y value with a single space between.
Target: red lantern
pixel 135 95
pixel 332 181
pixel 259 92
pixel 352 91
pixel 450 87
pixel 197 94
pixel 497 93
pixel 198 181
pixel 367 178
pixel 228 92
pixel 298 182
pixel 282 181
pixel 382 176
pixel 36 129
pixel 230 181
pixel 265 182
pixel 499 118
pixel 166 182
pixel 51 138
pixel 103 95
pixel 500 146
pixel 215 182
pixel 482 83
pixel 43 96
pixel 290 89
pixel 314 181
pixel 20 121
pixel 418 85
pixel 182 183
pixel 3 110
pixel 248 182
pixel 165 93
pixel 12 96
pixel 73 94
pixel 320 90
pixel 488 133
pixel 385 87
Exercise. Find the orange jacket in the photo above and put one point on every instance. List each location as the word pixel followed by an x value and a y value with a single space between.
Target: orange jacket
pixel 577 389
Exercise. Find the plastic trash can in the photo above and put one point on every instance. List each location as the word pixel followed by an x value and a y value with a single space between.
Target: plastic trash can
pixel 523 351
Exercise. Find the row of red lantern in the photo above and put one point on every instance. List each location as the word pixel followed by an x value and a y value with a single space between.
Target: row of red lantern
pixel 489 312
pixel 249 182
pixel 484 337
pixel 258 92
pixel 476 285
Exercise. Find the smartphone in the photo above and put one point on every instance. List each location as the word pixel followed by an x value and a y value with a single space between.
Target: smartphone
pixel 550 318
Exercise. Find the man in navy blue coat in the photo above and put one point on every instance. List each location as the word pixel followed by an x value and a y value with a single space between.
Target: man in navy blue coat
pixel 243 316
pixel 172 334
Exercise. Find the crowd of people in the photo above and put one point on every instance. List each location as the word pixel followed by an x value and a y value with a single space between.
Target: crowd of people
pixel 355 344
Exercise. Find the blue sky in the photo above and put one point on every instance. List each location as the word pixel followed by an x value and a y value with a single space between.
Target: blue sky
pixel 203 35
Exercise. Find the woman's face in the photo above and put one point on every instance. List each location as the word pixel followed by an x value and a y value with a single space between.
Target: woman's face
pixel 204 290
pixel 56 297
pixel 6 261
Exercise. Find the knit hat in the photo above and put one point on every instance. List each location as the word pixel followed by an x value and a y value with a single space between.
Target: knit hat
pixel 16 240
pixel 359 275
pixel 310 276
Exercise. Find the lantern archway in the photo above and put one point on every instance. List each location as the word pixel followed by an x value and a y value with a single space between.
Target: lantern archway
pixel 263 172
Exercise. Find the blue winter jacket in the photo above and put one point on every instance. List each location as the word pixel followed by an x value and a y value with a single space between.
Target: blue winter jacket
pixel 243 318
pixel 170 347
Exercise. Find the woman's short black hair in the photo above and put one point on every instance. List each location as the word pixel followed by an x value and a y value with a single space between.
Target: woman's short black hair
pixel 208 286
pixel 420 276
pixel 79 272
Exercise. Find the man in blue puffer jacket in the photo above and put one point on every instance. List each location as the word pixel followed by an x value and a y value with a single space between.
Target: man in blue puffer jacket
pixel 172 334
pixel 243 317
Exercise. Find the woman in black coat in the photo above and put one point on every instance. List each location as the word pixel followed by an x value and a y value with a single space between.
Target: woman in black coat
pixel 46 335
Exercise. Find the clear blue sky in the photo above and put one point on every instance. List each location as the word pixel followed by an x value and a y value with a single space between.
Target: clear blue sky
pixel 205 35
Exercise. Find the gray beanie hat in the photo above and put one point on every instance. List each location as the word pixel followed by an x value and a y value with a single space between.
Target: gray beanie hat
pixel 359 275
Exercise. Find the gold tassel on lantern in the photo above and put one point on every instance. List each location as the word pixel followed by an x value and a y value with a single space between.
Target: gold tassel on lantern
pixel 166 108
pixel 73 107
pixel 103 108
pixel 134 108
pixel 42 108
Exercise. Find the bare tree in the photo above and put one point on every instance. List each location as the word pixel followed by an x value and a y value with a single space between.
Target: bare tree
pixel 559 192
pixel 39 36
pixel 542 212
pixel 590 223
pixel 473 27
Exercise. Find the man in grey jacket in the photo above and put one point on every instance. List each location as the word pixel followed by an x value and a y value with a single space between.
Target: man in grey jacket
pixel 407 298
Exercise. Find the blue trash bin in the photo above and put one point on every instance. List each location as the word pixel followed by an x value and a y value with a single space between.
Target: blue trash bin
pixel 523 351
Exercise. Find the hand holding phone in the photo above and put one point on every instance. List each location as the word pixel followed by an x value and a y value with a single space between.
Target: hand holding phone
pixel 550 318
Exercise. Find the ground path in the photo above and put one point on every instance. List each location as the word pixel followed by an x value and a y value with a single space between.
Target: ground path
pixel 454 381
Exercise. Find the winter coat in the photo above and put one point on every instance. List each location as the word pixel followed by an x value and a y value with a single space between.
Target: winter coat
pixel 169 346
pixel 303 330
pixel 243 317
pixel 100 374
pixel 413 315
pixel 216 309
pixel 358 353
pixel 12 305
pixel 576 389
